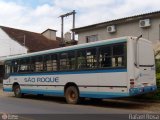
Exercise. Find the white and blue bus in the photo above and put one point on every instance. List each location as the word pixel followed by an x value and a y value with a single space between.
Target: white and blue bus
pixel 113 68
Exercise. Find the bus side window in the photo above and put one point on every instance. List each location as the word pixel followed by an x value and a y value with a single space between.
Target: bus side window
pixel 14 68
pixel 50 62
pixel 91 58
pixel 67 60
pixel 24 65
pixel 118 55
pixel 81 59
pixel 39 64
pixel 8 69
pixel 54 62
pixel 46 62
pixel 71 60
pixel 64 61
pixel 32 64
pixel 105 57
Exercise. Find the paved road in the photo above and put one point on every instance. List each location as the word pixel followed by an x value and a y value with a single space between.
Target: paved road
pixel 53 105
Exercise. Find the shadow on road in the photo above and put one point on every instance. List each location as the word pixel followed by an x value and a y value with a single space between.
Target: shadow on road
pixel 115 103
pixel 106 103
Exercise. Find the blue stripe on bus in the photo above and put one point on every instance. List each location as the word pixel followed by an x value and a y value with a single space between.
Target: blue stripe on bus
pixel 7 89
pixel 71 72
pixel 45 92
pixel 103 94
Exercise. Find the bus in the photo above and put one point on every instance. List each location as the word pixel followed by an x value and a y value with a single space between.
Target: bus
pixel 113 68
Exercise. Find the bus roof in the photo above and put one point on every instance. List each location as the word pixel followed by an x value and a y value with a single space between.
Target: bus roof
pixel 63 49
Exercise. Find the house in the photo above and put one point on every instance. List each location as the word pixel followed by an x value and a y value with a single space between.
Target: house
pixel 147 25
pixel 21 41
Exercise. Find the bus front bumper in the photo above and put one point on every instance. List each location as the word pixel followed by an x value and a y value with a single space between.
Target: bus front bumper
pixel 142 90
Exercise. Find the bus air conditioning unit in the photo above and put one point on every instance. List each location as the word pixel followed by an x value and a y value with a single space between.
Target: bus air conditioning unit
pixel 111 29
pixel 144 23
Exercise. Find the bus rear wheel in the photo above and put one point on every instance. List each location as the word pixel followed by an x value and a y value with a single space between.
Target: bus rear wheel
pixel 72 95
pixel 17 91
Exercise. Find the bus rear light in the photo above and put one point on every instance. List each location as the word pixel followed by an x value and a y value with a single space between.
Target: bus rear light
pixel 132 83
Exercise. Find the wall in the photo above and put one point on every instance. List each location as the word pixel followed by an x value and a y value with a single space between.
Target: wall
pixel 9 46
pixel 125 29
pixel 50 34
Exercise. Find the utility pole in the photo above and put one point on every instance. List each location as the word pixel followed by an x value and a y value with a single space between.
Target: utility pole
pixel 62 41
pixel 62 24
pixel 24 39
pixel 73 34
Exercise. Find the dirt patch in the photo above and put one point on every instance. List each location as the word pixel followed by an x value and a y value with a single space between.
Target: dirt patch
pixel 5 93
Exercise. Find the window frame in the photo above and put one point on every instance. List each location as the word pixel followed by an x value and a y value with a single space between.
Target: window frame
pixel 68 61
pixel 95 36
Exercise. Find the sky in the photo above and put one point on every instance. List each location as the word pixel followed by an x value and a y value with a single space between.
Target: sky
pixel 38 15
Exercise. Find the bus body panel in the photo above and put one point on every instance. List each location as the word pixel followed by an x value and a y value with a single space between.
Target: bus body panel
pixel 109 86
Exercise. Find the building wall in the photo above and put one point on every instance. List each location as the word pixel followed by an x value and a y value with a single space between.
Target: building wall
pixel 125 29
pixel 9 46
pixel 50 34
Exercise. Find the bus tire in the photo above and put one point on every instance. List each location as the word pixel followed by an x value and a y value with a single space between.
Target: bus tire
pixel 72 95
pixel 17 91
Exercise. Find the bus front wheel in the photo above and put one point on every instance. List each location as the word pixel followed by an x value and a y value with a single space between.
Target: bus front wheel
pixel 72 95
pixel 17 91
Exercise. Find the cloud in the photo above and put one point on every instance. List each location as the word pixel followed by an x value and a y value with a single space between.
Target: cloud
pixel 132 7
pixel 24 17
pixel 38 16
pixel 74 4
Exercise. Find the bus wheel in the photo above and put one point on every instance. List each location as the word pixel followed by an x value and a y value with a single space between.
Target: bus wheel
pixel 72 95
pixel 17 91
